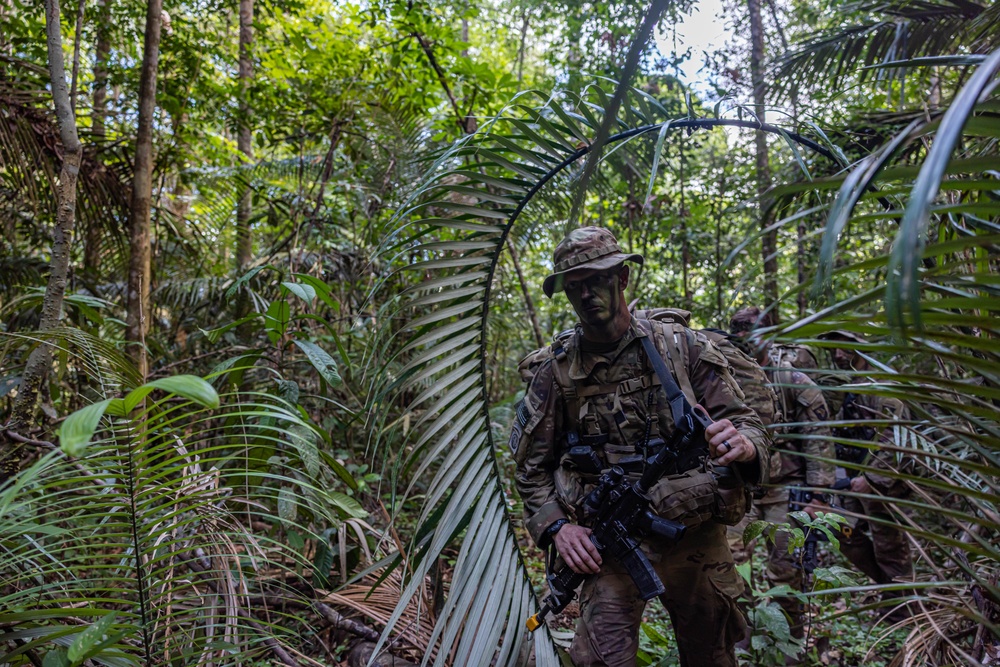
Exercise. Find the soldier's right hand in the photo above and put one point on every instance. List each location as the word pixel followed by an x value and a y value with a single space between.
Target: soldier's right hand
pixel 574 545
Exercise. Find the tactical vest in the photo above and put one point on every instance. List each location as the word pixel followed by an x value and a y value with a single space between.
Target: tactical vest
pixel 815 364
pixel 616 418
pixel 612 423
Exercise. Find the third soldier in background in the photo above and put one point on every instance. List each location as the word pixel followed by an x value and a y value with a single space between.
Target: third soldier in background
pixel 877 546
pixel 802 456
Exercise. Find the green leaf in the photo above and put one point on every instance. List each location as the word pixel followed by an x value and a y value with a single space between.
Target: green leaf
pixel 288 505
pixel 321 289
pixel 190 387
pixel 288 391
pixel 321 361
pixel 213 335
pixel 342 472
pixel 305 292
pixel 753 531
pixel 79 427
pixel 276 319
pixel 244 279
pixel 56 658
pixel 322 562
pixel 348 507
pixel 96 635
pixel 745 570
pixel 303 439
pixel 660 139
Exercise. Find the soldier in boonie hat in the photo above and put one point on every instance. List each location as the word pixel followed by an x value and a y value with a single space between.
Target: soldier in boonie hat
pixel 846 357
pixel 843 334
pixel 593 401
pixel 592 248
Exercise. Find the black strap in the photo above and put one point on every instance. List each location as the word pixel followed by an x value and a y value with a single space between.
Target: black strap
pixel 679 405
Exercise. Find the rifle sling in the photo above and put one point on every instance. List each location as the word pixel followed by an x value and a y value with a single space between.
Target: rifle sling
pixel 679 405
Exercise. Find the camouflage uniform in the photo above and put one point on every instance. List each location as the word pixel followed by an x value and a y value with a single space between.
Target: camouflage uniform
pixel 800 402
pixel 757 391
pixel 877 547
pixel 609 395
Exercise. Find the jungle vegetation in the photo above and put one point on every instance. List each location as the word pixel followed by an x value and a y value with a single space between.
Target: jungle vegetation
pixel 267 268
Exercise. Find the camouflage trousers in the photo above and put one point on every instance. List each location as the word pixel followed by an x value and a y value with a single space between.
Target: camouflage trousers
pixel 781 566
pixel 702 589
pixel 877 546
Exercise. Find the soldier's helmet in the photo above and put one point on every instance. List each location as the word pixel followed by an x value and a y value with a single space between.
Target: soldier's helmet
pixel 593 248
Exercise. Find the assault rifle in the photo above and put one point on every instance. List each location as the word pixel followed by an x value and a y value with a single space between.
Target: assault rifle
pixel 863 432
pixel 619 516
pixel 805 556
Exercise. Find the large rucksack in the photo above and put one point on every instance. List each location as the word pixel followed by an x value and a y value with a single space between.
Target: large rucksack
pixel 757 391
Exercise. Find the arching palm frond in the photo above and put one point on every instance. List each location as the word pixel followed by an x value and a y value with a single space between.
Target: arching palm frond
pixel 449 234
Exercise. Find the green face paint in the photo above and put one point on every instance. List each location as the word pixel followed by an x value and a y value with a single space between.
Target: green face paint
pixel 595 295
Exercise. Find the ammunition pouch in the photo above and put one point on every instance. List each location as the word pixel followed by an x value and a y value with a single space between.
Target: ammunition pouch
pixel 584 459
pixel 732 496
pixel 688 497
pixel 570 491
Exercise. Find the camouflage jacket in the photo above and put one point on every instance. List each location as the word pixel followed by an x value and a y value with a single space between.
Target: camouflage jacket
pixel 816 364
pixel 611 395
pixel 860 406
pixel 803 407
pixel 757 391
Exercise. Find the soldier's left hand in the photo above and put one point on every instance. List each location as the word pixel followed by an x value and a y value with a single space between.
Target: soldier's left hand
pixel 727 445
pixel 858 484
pixel 815 506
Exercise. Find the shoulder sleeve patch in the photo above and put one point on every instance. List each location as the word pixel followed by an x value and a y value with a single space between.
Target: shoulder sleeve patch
pixel 711 353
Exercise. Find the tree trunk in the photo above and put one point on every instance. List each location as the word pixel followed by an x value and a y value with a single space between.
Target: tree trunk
pixel 529 304
pixel 520 49
pixel 77 40
pixel 41 357
pixel 769 241
pixel 138 316
pixel 244 240
pixel 98 115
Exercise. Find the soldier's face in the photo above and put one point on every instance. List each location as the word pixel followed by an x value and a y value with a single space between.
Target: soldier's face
pixel 843 358
pixel 596 295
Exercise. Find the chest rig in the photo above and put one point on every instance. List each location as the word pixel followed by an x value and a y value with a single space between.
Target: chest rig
pixel 616 412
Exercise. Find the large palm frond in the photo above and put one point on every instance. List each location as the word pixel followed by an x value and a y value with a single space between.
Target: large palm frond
pixel 886 33
pixel 450 234
pixel 931 320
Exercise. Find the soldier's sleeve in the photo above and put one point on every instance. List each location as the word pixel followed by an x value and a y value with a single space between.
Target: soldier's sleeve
pixel 884 459
pixel 810 411
pixel 536 455
pixel 806 359
pixel 718 392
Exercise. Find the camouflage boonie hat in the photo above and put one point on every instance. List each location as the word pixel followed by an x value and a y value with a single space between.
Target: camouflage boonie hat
pixel 592 248
pixel 841 334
